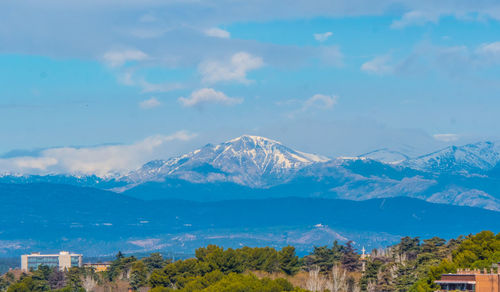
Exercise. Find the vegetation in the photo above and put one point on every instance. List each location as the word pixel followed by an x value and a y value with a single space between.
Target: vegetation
pixel 214 260
pixel 410 265
pixel 480 251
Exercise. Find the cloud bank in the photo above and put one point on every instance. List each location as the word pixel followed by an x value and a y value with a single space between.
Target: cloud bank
pixel 426 57
pixel 446 137
pixel 101 161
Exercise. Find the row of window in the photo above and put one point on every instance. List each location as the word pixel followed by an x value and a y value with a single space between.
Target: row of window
pixel 458 287
pixel 75 261
pixel 50 261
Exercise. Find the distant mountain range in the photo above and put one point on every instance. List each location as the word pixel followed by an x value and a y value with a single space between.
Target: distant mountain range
pixel 51 217
pixel 255 191
pixel 251 167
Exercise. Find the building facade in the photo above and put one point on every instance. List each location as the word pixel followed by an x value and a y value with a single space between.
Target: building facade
pixel 470 280
pixel 63 260
pixel 98 267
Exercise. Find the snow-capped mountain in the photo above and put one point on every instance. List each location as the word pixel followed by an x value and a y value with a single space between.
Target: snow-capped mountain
pixel 255 167
pixel 247 160
pixel 468 159
pixel 386 156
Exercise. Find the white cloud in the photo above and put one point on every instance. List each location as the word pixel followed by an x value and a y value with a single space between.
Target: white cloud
pixel 378 65
pixel 218 33
pixel 70 27
pixel 206 96
pixel 321 37
pixel 233 70
pixel 416 17
pixel 157 87
pixel 119 58
pixel 454 61
pixel 317 101
pixel 446 137
pixel 128 78
pixel 150 103
pixel 41 163
pixel 167 31
pixel 320 101
pixel 490 51
pixel 100 160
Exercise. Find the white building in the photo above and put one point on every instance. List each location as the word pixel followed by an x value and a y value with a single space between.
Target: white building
pixel 63 260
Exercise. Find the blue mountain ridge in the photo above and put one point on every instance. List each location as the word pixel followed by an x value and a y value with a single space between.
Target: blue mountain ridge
pixel 97 222
pixel 255 167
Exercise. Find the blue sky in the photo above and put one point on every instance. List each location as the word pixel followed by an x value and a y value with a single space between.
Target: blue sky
pixel 152 79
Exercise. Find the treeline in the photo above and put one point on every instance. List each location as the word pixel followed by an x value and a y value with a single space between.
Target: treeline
pixel 214 262
pixel 46 279
pixel 414 265
pixel 410 265
pixel 481 251
pixel 213 269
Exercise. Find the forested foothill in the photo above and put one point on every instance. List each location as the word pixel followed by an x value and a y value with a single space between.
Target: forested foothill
pixel 411 265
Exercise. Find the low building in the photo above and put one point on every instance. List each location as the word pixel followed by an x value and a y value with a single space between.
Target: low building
pixel 470 281
pixel 98 267
pixel 63 260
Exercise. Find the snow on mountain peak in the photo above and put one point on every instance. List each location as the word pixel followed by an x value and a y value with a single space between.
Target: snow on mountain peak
pixel 252 145
pixel 476 157
pixel 253 139
pixel 386 156
pixel 248 160
pixel 472 158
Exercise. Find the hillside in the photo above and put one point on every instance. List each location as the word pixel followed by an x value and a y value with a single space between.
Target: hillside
pixel 48 216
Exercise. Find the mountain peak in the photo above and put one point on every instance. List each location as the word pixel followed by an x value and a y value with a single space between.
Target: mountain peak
pixel 253 139
pixel 248 160
pixel 475 157
pixel 386 155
